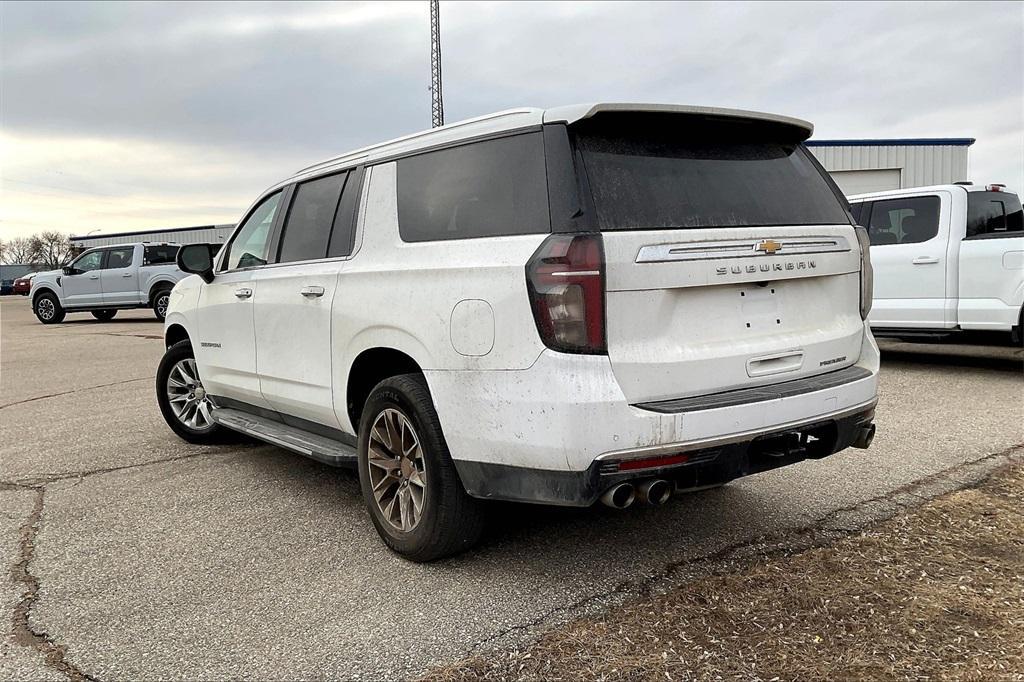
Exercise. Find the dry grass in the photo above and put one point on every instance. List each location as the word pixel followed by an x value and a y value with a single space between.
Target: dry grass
pixel 937 592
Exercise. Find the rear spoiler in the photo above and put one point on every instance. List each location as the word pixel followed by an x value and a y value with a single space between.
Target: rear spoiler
pixel 579 112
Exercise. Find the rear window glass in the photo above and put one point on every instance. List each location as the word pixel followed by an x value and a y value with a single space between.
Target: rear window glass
pixel 156 255
pixel 995 213
pixel 907 220
pixel 308 226
pixel 687 174
pixel 483 189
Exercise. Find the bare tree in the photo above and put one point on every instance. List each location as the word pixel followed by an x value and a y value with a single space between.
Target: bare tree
pixel 51 248
pixel 20 250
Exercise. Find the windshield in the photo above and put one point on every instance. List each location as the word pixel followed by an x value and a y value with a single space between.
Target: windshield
pixel 698 174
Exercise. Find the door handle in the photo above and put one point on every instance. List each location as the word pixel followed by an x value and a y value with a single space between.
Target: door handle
pixel 94 276
pixel 312 292
pixel 925 260
pixel 243 293
pixel 127 274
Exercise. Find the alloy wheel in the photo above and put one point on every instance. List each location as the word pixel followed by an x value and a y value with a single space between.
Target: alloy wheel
pixel 45 308
pixel 396 469
pixel 161 304
pixel 187 397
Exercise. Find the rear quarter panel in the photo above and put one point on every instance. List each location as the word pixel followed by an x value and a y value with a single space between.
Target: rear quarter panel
pixel 399 295
pixel 151 275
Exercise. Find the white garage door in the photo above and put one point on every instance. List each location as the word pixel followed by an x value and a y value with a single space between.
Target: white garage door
pixel 862 181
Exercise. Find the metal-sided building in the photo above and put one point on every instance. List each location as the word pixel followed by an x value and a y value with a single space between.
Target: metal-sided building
pixel 202 234
pixel 860 166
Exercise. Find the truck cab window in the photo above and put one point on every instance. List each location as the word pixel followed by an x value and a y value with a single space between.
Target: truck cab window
pixel 119 258
pixel 164 253
pixel 907 220
pixel 89 261
pixel 993 213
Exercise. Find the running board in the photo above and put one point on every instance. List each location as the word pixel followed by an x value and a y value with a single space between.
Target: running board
pixel 311 445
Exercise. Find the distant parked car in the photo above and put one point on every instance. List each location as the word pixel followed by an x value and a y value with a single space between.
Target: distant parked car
pixel 104 280
pixel 6 287
pixel 947 259
pixel 23 285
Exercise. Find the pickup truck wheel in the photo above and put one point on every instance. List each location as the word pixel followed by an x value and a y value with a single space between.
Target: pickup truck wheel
pixel 160 301
pixel 183 401
pixel 48 309
pixel 409 482
pixel 104 315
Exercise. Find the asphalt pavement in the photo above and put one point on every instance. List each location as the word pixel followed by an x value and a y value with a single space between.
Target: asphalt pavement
pixel 132 554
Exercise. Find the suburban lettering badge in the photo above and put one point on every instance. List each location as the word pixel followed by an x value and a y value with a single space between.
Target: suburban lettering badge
pixel 766 267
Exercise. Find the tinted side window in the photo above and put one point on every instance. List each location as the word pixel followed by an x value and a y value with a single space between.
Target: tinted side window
pixel 993 213
pixel 483 189
pixel 155 255
pixel 251 244
pixel 904 221
pixel 119 258
pixel 307 228
pixel 857 209
pixel 343 232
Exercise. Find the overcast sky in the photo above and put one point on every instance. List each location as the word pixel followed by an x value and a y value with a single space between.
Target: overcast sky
pixel 122 116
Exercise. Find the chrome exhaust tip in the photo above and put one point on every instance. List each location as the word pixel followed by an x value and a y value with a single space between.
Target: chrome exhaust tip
pixel 619 496
pixel 654 492
pixel 865 434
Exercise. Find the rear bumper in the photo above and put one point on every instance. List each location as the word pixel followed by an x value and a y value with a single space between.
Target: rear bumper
pixel 706 465
pixel 564 416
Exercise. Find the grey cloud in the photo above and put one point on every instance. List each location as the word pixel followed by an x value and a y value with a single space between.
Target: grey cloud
pixel 267 85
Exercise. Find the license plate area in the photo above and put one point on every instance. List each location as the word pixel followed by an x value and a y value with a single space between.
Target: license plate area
pixel 761 306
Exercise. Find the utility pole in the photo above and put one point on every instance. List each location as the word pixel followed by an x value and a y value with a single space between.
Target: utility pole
pixel 436 103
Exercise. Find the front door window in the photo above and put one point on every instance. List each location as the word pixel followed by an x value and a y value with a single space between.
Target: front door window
pixel 251 245
pixel 88 262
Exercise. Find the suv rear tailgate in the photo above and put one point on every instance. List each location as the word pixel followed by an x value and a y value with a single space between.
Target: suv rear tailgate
pixel 704 311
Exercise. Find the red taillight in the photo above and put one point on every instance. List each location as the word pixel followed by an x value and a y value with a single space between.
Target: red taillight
pixel 565 278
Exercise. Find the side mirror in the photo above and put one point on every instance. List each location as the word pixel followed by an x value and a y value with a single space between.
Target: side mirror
pixel 68 270
pixel 198 259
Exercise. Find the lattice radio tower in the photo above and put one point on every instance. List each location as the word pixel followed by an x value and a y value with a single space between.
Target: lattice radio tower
pixel 436 102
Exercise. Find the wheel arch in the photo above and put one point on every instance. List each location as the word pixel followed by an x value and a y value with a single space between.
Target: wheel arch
pixel 158 286
pixel 43 289
pixel 175 333
pixel 368 369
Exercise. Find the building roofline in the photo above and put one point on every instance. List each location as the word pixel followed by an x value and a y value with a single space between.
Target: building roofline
pixel 896 142
pixel 138 232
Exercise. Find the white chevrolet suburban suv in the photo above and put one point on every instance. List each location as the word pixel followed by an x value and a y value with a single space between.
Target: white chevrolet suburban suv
pixel 553 306
pixel 947 259
pixel 104 280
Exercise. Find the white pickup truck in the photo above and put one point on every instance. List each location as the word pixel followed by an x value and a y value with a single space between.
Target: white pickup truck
pixel 946 259
pixel 104 280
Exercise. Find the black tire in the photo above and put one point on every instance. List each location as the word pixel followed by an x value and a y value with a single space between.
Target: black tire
pixel 105 315
pixel 450 521
pixel 50 311
pixel 202 436
pixel 159 302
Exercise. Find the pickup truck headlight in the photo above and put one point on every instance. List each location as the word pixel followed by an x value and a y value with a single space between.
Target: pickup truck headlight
pixel 867 276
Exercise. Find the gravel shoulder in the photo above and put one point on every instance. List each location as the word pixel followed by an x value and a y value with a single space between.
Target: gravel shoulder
pixel 935 592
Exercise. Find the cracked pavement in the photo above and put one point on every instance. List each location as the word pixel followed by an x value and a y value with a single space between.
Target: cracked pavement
pixel 131 554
